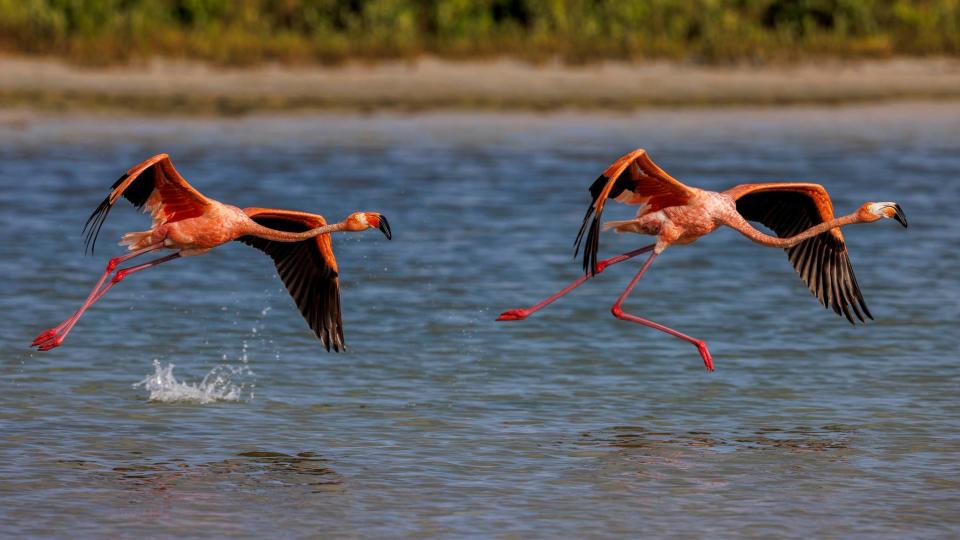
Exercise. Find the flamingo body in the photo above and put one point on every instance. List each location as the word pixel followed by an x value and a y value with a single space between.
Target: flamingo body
pixel 218 224
pixel 703 213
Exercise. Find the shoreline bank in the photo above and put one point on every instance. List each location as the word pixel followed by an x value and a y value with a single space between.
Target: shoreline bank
pixel 185 88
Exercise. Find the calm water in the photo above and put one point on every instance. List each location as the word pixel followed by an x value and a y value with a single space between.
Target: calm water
pixel 440 422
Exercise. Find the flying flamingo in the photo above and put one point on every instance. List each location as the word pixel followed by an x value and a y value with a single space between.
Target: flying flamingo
pixel 192 224
pixel 801 215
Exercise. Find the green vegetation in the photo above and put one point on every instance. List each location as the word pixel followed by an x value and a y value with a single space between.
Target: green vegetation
pixel 237 32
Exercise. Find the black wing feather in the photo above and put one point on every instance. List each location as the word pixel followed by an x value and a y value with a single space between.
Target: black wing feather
pixel 137 193
pixel 821 261
pixel 308 278
pixel 593 234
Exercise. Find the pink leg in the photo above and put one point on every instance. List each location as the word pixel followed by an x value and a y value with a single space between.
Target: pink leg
pixel 520 314
pixel 617 311
pixel 113 263
pixel 55 339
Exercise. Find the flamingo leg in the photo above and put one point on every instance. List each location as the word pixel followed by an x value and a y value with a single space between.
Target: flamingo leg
pixel 111 265
pixel 520 314
pixel 618 312
pixel 54 337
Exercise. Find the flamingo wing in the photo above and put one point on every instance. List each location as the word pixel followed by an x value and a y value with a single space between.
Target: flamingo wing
pixel 156 184
pixel 632 179
pixel 789 208
pixel 308 270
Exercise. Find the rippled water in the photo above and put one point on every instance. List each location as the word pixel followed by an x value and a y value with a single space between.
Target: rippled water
pixel 440 422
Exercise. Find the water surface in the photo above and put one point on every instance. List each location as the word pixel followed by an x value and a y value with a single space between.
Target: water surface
pixel 440 422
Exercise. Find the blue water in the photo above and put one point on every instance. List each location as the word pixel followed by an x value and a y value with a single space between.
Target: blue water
pixel 440 422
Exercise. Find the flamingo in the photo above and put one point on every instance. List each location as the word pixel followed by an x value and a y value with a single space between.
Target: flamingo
pixel 192 224
pixel 800 214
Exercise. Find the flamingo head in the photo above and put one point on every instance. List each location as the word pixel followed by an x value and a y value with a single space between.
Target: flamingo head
pixel 875 211
pixel 361 221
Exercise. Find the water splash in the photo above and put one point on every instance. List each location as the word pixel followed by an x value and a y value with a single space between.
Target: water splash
pixel 222 383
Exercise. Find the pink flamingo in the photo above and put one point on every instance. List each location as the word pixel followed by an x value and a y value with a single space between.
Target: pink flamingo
pixel 192 224
pixel 801 215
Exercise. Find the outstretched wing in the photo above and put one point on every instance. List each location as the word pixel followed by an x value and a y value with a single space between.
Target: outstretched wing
pixel 154 184
pixel 632 179
pixel 789 208
pixel 307 268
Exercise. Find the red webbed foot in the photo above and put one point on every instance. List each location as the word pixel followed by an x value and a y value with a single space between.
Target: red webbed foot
pixel 44 336
pixel 513 315
pixel 48 340
pixel 705 353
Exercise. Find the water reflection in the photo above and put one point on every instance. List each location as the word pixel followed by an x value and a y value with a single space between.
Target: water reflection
pixel 252 470
pixel 798 439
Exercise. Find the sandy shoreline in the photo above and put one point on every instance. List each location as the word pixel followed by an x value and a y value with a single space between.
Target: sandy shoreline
pixel 166 87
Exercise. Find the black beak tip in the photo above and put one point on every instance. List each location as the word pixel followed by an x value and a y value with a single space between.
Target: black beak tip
pixel 899 216
pixel 385 227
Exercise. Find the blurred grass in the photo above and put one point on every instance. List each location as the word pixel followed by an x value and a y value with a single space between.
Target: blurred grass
pixel 245 32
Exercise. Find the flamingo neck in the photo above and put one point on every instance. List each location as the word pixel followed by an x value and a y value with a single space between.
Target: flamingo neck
pixel 752 233
pixel 255 229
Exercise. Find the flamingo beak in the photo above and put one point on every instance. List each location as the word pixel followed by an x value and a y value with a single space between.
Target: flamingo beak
pixel 899 215
pixel 384 226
